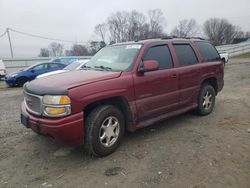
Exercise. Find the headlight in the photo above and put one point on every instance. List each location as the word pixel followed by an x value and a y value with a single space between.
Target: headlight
pixel 13 75
pixel 56 105
pixel 56 99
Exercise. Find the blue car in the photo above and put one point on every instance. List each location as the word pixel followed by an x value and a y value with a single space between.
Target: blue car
pixel 30 73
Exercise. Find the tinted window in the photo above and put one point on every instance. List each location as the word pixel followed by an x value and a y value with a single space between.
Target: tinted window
pixel 160 54
pixel 185 54
pixel 54 65
pixel 39 67
pixel 207 51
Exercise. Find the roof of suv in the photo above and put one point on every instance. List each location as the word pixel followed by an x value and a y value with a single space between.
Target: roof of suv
pixel 146 41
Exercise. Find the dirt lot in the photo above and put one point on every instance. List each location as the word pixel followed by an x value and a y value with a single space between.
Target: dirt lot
pixel 185 151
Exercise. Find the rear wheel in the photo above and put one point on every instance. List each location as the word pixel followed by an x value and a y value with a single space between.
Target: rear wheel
pixel 104 129
pixel 206 100
pixel 21 81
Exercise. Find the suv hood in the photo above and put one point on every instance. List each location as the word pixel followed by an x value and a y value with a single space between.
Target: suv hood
pixel 60 83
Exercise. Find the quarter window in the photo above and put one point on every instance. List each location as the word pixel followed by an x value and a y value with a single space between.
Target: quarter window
pixel 160 54
pixel 185 54
pixel 208 51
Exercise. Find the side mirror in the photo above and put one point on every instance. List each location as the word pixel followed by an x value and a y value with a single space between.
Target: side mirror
pixel 32 71
pixel 149 65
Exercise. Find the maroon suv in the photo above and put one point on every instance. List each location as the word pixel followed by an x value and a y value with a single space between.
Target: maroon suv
pixel 124 87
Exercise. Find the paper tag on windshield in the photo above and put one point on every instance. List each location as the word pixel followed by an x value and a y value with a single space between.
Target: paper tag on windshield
pixel 134 46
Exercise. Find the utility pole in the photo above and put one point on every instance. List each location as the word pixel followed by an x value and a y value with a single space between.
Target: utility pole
pixel 11 51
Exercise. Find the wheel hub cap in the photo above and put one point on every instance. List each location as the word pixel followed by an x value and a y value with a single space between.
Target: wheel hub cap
pixel 207 100
pixel 109 131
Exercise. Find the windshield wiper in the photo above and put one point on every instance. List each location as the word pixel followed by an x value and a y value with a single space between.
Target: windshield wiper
pixel 103 68
pixel 86 67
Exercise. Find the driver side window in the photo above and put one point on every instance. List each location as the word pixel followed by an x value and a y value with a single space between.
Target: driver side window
pixel 38 67
pixel 161 54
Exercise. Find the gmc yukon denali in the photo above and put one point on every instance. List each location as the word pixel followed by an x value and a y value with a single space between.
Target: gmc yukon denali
pixel 122 88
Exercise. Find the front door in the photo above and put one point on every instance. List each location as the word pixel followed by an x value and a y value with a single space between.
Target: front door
pixel 156 92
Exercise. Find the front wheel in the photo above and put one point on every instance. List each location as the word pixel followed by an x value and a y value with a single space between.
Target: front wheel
pixel 21 81
pixel 206 100
pixel 104 129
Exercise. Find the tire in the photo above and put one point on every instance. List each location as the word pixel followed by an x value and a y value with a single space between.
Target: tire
pixel 104 130
pixel 206 100
pixel 21 81
pixel 224 61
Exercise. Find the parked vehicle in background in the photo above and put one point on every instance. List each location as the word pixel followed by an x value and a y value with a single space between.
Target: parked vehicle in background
pixel 2 69
pixel 30 73
pixel 76 65
pixel 224 57
pixel 124 87
pixel 65 60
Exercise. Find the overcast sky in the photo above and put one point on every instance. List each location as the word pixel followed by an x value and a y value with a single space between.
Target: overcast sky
pixel 75 19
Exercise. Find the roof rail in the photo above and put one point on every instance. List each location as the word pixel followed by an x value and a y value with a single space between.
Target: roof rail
pixel 195 38
pixel 175 37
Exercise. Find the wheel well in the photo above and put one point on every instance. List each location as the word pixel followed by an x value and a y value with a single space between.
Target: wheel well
pixel 213 82
pixel 118 101
pixel 22 77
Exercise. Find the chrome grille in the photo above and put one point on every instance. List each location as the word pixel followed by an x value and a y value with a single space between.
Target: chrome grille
pixel 33 103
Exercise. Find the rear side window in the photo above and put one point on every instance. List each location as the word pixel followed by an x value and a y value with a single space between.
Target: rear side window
pixel 54 65
pixel 185 54
pixel 208 51
pixel 160 54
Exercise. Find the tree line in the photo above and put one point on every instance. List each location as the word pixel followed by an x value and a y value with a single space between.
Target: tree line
pixel 123 26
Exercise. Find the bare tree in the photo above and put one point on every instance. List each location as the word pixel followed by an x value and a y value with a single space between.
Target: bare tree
pixel 156 20
pixel 240 34
pixel 95 46
pixel 77 50
pixel 129 26
pixel 136 26
pixel 220 31
pixel 101 30
pixel 118 26
pixel 44 52
pixel 55 49
pixel 247 34
pixel 186 28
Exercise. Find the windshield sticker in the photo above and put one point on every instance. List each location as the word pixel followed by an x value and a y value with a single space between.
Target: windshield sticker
pixel 135 46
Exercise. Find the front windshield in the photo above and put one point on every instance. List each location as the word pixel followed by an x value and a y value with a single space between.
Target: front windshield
pixel 72 66
pixel 114 58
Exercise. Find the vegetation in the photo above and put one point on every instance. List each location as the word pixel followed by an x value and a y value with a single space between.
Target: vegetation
pixel 123 26
pixel 246 55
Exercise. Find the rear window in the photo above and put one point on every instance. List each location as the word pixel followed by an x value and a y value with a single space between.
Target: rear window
pixel 185 54
pixel 208 51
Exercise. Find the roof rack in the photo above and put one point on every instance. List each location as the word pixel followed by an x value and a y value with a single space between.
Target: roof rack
pixel 175 37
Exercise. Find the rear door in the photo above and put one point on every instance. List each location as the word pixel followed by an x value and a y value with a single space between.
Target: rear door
pixel 156 92
pixel 189 72
pixel 55 66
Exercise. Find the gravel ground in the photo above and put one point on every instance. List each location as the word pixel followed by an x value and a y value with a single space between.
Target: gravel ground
pixel 185 151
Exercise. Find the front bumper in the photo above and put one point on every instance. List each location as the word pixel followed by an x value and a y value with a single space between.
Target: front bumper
pixel 10 81
pixel 69 129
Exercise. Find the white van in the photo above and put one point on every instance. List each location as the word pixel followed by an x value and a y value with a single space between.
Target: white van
pixel 2 69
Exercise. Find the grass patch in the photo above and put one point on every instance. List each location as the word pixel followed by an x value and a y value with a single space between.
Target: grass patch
pixel 246 55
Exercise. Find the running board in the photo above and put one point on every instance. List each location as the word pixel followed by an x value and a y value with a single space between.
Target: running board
pixel 168 115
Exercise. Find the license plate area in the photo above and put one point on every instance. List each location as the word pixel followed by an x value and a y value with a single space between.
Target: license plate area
pixel 25 121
